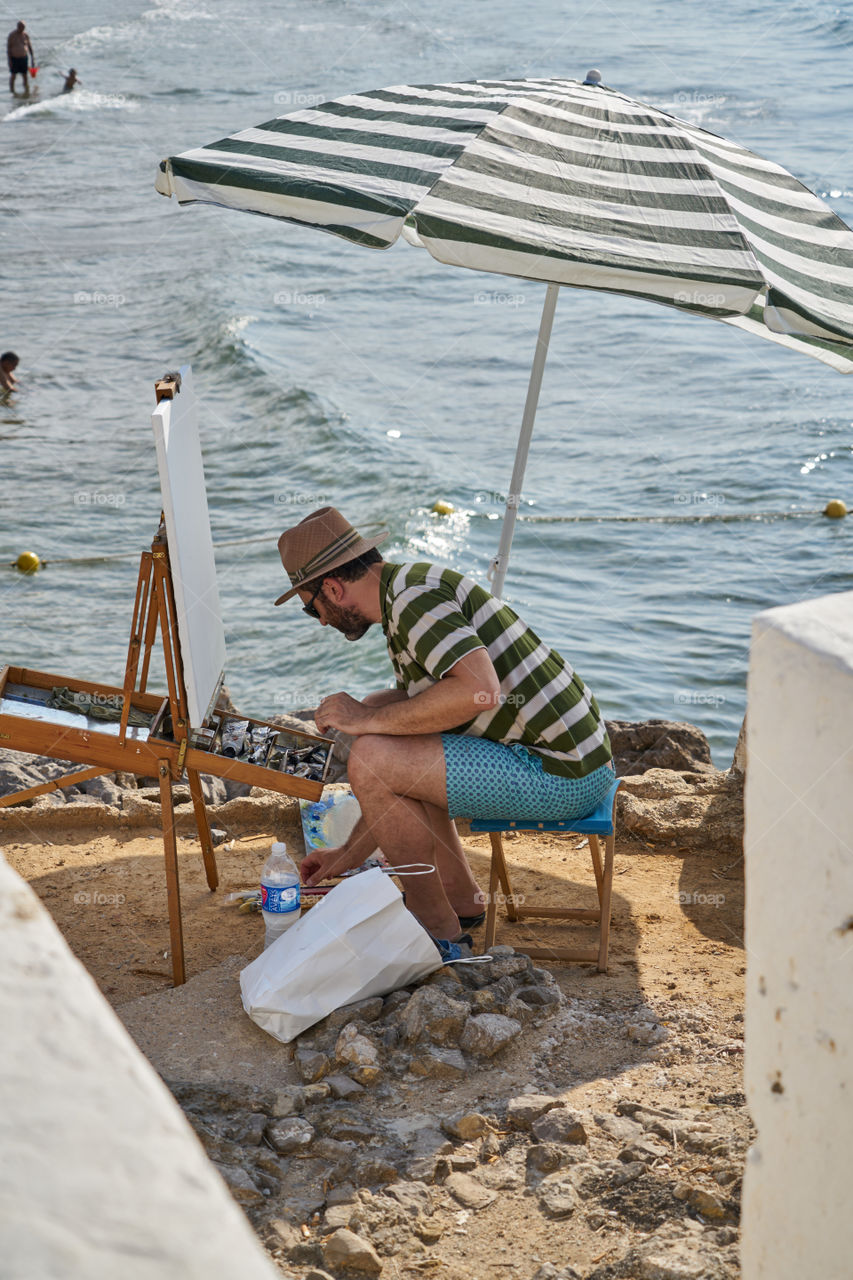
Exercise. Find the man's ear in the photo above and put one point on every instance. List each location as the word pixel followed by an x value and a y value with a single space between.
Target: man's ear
pixel 333 590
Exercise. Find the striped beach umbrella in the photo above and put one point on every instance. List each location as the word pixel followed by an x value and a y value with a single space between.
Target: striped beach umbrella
pixel 561 181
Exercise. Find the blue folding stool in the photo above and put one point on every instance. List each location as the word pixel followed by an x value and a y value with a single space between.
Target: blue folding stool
pixel 601 822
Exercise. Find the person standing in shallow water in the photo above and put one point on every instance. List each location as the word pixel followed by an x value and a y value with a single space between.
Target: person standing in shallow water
pixel 19 52
pixel 8 364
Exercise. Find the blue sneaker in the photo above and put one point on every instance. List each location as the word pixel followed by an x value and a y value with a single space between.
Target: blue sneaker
pixel 458 950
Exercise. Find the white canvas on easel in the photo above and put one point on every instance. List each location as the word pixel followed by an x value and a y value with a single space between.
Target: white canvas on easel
pixel 193 567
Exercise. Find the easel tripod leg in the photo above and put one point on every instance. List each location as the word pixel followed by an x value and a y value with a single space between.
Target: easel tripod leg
pixel 173 891
pixel 203 826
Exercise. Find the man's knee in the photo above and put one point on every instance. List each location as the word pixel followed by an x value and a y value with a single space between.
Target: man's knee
pixel 367 757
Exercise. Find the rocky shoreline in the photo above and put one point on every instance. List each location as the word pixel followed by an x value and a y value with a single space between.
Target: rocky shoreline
pixel 355 1166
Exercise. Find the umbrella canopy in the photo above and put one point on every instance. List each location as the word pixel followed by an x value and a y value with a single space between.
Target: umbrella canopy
pixel 560 181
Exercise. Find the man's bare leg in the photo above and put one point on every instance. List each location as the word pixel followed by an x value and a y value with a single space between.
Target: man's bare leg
pixel 399 783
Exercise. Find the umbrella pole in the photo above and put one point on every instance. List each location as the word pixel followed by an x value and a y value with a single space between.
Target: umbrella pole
pixel 498 567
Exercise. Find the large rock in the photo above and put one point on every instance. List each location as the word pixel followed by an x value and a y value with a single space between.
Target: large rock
pixel 433 1015
pixel 486 1033
pixel 559 1125
pixel 689 810
pixel 350 1252
pixel 658 744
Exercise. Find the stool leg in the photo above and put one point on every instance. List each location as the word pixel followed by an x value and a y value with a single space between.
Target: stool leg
pixel 494 880
pixel 595 854
pixel 607 889
pixel 503 876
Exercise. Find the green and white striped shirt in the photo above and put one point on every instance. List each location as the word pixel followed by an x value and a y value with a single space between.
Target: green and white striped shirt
pixel 433 616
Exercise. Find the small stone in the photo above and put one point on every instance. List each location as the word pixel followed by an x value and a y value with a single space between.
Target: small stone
pixel 376 1170
pixel 315 1274
pixel 544 1157
pixel 340 1215
pixel 366 1075
pixel 291 1134
pixel 559 1126
pixel 415 1197
pixel 466 1125
pixel 619 1127
pixel 485 1034
pixel 433 1015
pixel 470 1193
pixel 347 1250
pixel 557 1197
pixel 314 1093
pixel 440 1064
pixel 463 1160
pixel 681 1190
pixel 706 1203
pixel 522 1111
pixel 311 1064
pixel 367 1010
pixel 429 1230
pixel 343 1087
pixel 490 1148
pixel 354 1048
pixel 241 1185
pixel 287 1102
pixel 642 1149
pixel 627 1173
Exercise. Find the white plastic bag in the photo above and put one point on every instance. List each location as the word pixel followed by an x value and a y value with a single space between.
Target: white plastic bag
pixel 358 941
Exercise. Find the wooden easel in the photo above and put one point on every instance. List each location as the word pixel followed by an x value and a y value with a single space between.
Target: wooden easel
pixel 154 604
pixel 167 752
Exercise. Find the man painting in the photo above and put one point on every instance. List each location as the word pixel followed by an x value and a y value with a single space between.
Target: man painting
pixel 486 720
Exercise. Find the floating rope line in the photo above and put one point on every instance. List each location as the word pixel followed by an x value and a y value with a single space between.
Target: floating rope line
pixel 711 517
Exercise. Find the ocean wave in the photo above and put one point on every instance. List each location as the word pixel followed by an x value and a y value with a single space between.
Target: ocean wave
pixel 78 100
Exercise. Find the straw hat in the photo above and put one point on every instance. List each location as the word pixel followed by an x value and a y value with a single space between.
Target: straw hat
pixel 319 544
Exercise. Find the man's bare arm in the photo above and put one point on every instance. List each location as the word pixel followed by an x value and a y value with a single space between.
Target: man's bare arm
pixel 468 689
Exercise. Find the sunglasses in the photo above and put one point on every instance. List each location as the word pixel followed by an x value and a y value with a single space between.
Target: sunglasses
pixel 309 607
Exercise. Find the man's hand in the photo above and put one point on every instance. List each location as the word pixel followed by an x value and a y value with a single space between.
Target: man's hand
pixel 322 864
pixel 340 711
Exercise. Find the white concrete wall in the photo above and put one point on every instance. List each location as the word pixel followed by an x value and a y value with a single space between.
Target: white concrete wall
pixel 798 1193
pixel 101 1178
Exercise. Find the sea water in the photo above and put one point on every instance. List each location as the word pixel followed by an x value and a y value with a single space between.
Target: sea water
pixel 676 464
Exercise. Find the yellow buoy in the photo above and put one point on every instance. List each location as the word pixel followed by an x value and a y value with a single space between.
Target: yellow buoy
pixel 443 508
pixel 27 562
pixel 835 509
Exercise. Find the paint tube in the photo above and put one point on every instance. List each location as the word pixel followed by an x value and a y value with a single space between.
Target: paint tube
pixel 233 737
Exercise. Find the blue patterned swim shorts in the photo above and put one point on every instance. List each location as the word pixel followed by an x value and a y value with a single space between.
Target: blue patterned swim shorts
pixel 488 779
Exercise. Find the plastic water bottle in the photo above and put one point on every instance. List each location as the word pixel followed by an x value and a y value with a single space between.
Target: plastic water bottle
pixel 279 893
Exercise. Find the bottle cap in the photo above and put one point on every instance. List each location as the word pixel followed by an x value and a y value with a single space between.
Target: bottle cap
pixel 279 847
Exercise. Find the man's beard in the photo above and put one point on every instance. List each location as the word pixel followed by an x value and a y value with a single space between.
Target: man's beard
pixel 350 622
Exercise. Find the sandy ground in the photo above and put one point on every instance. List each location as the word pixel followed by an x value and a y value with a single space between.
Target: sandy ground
pixel 676 953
